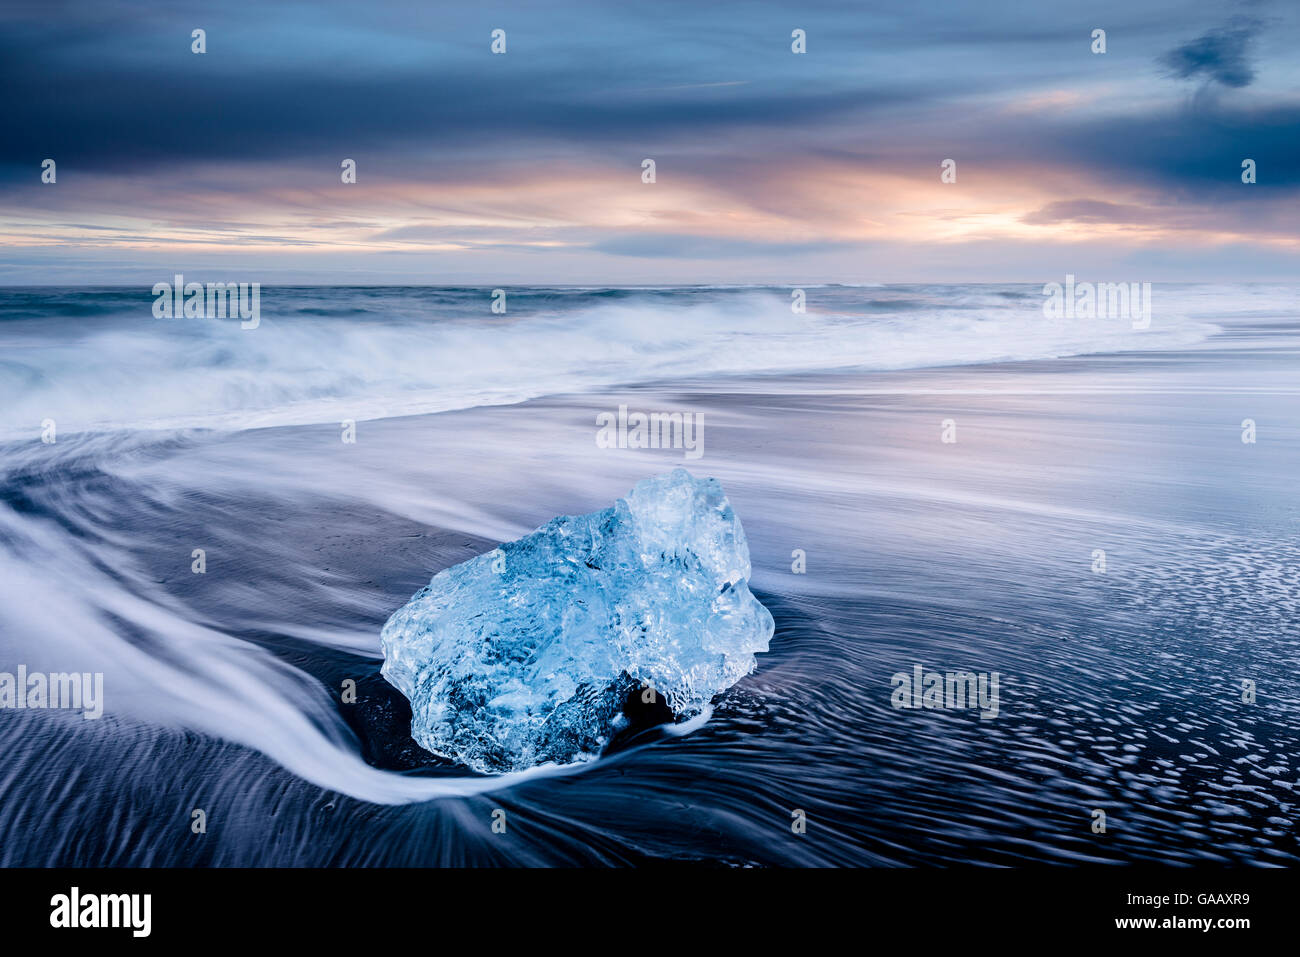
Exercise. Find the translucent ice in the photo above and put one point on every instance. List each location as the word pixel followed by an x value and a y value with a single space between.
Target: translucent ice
pixel 525 654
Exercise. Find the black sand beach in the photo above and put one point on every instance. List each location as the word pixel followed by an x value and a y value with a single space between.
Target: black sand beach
pixel 1120 690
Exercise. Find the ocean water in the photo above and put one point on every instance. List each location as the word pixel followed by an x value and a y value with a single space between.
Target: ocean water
pixel 1120 690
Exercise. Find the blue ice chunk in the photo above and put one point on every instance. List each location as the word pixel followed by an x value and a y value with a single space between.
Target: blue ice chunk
pixel 524 655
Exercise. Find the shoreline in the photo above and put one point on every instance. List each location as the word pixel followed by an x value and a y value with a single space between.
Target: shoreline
pixel 1117 688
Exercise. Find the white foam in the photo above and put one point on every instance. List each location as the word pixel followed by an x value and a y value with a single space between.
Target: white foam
pixel 194 373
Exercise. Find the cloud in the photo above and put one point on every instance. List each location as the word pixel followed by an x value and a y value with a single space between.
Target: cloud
pixel 1086 211
pixel 678 246
pixel 495 162
pixel 1220 56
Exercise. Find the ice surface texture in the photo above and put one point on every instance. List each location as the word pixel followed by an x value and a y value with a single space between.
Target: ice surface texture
pixel 525 655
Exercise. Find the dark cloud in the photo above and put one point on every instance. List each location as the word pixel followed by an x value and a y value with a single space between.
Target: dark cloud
pixel 186 110
pixel 408 86
pixel 1180 152
pixel 1220 56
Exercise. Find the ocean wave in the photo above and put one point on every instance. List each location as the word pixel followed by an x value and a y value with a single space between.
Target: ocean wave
pixel 323 355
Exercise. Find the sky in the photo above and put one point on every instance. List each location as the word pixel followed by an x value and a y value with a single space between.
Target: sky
pixel 526 167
